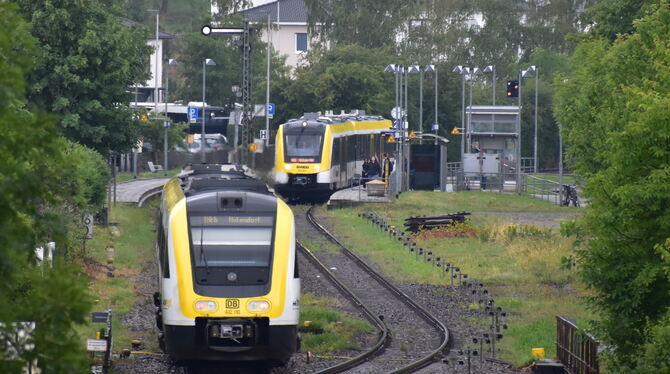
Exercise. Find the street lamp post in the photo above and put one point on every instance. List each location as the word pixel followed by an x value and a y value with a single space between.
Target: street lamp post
pixel 473 72
pixel 206 62
pixel 171 62
pixel 522 74
pixel 463 71
pixel 433 69
pixel 416 69
pixel 492 69
pixel 536 70
pixel 399 115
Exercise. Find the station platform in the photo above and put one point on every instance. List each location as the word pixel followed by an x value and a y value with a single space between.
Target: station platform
pixel 354 196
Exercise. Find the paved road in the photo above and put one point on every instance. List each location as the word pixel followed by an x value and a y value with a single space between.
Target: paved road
pixel 131 191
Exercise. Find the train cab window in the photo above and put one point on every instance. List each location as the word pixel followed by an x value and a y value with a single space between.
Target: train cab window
pixel 303 147
pixel 232 246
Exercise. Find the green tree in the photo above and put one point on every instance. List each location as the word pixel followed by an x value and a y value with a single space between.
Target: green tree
pixel 615 109
pixel 85 62
pixel 369 23
pixel 609 18
pixel 33 179
pixel 343 78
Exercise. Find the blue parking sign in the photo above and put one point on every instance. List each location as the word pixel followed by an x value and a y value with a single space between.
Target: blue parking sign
pixel 271 109
pixel 192 114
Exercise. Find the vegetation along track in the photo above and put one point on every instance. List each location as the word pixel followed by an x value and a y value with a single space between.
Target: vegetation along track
pixel 414 342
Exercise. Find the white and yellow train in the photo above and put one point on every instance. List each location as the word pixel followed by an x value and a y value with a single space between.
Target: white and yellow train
pixel 320 154
pixel 229 288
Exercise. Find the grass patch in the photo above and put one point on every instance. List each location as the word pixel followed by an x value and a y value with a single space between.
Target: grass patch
pixel 133 248
pixel 339 330
pixel 321 245
pixel 520 265
pixel 567 178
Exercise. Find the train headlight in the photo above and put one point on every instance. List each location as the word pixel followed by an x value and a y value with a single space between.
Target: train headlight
pixel 288 167
pixel 317 167
pixel 258 306
pixel 205 305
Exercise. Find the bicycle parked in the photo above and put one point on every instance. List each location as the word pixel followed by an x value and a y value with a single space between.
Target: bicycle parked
pixel 570 196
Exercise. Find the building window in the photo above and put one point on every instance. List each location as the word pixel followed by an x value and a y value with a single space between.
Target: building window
pixel 301 42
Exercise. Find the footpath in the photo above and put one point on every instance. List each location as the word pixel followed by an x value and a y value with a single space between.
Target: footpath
pixel 135 191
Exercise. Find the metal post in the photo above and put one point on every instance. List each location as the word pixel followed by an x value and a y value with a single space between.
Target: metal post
pixel 494 86
pixel 560 165
pixel 405 140
pixel 435 72
pixel 247 110
pixel 465 131
pixel 267 90
pixel 463 123
pixel 537 77
pixel 399 160
pixel 156 72
pixel 165 145
pixel 420 127
pixel 518 140
pixel 202 133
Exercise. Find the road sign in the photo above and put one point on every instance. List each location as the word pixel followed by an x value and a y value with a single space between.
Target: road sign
pixel 264 134
pixel 271 109
pixel 391 139
pixel 99 317
pixel 397 112
pixel 253 147
pixel 144 118
pixel 434 126
pixel 166 124
pixel 96 345
pixel 192 114
pixel 412 135
pixel 455 131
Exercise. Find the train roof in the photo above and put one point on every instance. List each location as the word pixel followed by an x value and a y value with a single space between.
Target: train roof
pixel 329 118
pixel 200 178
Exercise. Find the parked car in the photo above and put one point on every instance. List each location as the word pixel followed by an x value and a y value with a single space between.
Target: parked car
pixel 213 142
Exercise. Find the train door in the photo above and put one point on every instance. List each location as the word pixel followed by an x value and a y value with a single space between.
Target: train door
pixel 343 163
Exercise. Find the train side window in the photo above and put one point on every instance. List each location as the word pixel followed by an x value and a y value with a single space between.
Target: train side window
pixel 351 148
pixel 336 152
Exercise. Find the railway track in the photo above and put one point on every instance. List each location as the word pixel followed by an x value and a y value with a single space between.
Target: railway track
pixel 406 343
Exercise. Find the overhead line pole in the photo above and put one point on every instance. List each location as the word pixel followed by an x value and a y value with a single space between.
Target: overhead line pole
pixel 267 90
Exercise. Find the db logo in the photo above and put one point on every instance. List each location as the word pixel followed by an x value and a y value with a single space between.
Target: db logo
pixel 232 304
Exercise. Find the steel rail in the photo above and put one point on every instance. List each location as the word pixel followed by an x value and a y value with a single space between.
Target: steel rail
pixel 426 315
pixel 384 333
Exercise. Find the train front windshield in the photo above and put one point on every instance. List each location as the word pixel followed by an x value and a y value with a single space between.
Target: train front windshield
pixel 303 145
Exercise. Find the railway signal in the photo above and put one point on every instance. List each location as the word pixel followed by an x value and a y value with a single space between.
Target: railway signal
pixel 513 88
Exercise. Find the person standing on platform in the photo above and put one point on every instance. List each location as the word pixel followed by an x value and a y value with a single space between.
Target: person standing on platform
pixel 366 171
pixel 375 168
pixel 387 168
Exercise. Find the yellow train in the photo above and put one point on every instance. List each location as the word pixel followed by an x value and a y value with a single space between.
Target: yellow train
pixel 319 154
pixel 229 288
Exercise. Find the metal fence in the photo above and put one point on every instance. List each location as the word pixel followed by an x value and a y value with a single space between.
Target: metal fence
pixel 577 350
pixel 542 188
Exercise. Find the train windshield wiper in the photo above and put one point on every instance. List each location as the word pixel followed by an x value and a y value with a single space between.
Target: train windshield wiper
pixel 203 257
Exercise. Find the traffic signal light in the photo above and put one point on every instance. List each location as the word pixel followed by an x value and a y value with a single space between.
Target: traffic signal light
pixel 512 88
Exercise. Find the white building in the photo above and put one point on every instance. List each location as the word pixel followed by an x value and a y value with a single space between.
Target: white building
pixel 288 34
